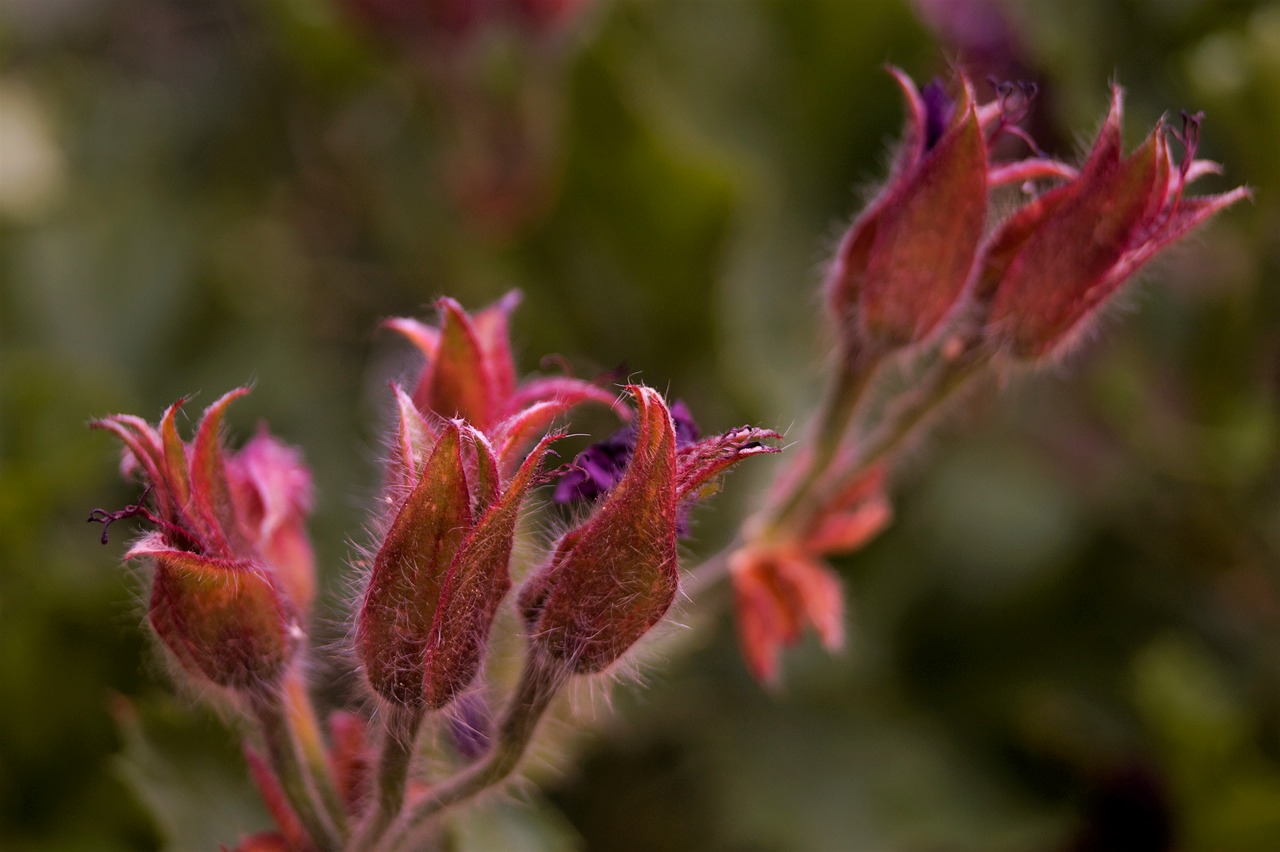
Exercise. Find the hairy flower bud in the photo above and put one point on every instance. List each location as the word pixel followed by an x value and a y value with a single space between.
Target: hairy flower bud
pixel 610 580
pixel 441 571
pixel 222 619
pixel 904 263
pixel 1054 263
pixel 233 567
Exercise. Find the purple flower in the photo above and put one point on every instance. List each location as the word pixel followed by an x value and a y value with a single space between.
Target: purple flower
pixel 598 468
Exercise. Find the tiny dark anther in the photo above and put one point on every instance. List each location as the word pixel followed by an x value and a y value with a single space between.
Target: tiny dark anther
pixel 1015 99
pixel 1188 137
pixel 133 510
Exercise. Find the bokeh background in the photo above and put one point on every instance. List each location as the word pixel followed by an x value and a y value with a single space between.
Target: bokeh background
pixel 1070 638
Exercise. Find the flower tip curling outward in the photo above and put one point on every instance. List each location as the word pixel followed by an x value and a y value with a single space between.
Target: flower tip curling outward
pixel 470 373
pixel 1053 265
pixel 611 579
pixel 233 567
pixel 778 591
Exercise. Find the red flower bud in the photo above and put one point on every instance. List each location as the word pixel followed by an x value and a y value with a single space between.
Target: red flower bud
pixel 1054 263
pixel 904 263
pixel 441 571
pixel 470 374
pixel 233 567
pixel 223 620
pixel 610 580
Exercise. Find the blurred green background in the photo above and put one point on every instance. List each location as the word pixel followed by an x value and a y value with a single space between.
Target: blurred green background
pixel 1070 638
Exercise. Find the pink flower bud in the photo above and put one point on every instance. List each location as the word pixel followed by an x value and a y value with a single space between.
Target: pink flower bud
pixel 233 568
pixel 610 580
pixel 223 620
pixel 904 263
pixel 1054 263
pixel 470 373
pixel 271 489
pixel 441 571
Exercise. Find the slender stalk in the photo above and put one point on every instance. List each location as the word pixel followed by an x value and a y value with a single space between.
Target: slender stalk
pixel 538 685
pixel 708 573
pixel 912 410
pixel 848 386
pixel 399 737
pixel 282 750
pixel 908 414
pixel 301 715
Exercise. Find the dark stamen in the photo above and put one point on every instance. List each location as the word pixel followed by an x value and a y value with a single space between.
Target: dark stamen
pixel 1015 101
pixel 1189 138
pixel 134 510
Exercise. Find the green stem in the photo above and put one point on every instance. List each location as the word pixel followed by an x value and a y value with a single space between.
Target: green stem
pixel 282 750
pixel 912 411
pixel 302 716
pixel 847 388
pixel 399 736
pixel 538 685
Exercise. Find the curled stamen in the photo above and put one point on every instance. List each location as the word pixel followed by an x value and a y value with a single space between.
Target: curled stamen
pixel 558 362
pixel 1014 101
pixel 133 510
pixel 1014 98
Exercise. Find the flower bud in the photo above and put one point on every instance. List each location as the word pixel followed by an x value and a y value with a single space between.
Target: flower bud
pixel 233 567
pixel 223 620
pixel 613 578
pixel 904 263
pixel 610 580
pixel 271 489
pixel 1053 264
pixel 440 573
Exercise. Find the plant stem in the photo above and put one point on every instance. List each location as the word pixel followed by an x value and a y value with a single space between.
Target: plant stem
pixel 911 411
pixel 399 736
pixel 302 716
pixel 538 685
pixel 848 385
pixel 282 750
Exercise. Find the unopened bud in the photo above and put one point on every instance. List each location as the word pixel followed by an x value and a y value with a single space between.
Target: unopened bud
pixel 223 620
pixel 904 263
pixel 440 573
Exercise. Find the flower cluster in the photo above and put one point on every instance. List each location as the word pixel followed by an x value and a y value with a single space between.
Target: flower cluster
pixel 928 279
pixel 925 280
pixel 233 573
